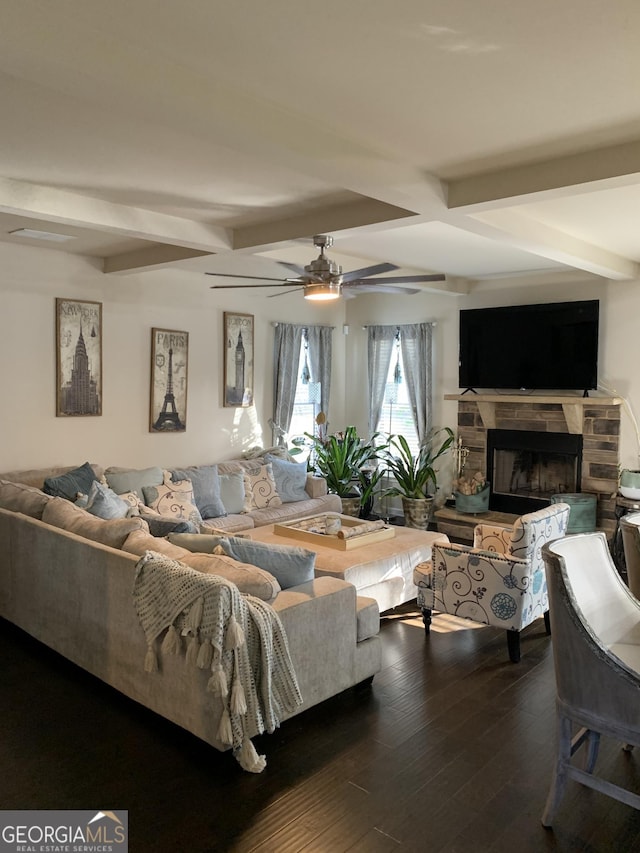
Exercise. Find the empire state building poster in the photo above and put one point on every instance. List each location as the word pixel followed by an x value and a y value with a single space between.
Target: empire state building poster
pixel 78 357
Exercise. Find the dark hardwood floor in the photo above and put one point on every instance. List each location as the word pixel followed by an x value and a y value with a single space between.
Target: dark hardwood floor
pixel 450 750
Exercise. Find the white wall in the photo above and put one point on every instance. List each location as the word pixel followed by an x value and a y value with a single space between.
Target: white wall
pixel 618 352
pixel 32 435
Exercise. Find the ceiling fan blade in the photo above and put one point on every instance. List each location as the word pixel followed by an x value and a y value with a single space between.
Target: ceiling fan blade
pixel 365 272
pixel 284 292
pixel 406 279
pixel 296 268
pixel 246 286
pixel 235 275
pixel 373 286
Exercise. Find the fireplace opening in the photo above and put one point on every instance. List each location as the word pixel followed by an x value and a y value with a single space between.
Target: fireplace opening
pixel 525 468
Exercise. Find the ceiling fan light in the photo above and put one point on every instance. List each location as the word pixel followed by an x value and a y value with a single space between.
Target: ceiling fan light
pixel 322 292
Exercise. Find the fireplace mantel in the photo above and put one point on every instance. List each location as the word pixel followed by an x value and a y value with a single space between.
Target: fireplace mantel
pixel 573 407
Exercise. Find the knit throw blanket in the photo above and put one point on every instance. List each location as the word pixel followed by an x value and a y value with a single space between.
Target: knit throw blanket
pixel 238 637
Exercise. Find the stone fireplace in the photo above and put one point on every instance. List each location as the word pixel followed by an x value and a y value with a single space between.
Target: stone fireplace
pixel 568 444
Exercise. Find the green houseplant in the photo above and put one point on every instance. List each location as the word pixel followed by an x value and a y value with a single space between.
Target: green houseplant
pixel 415 473
pixel 340 459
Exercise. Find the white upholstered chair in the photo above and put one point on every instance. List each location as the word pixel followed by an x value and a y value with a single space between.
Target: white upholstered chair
pixel 630 527
pixel 500 581
pixel 595 623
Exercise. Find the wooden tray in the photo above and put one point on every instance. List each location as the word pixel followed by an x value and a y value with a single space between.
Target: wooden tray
pixel 332 540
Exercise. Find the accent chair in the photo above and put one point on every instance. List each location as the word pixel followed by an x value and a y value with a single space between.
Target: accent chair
pixel 500 581
pixel 595 621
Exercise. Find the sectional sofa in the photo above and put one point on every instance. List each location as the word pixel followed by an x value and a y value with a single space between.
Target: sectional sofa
pixel 67 577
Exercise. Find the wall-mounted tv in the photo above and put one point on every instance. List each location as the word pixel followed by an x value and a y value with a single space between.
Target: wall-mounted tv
pixel 553 346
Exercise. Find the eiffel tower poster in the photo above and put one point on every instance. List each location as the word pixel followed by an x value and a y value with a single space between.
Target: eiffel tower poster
pixel 169 363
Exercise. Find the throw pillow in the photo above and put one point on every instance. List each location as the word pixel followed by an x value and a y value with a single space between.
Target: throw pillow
pixel 103 502
pixel 289 564
pixel 160 525
pixel 290 477
pixel 249 579
pixel 123 480
pixel 197 543
pixel 232 492
pixel 135 504
pixel 206 488
pixel 69 484
pixel 260 489
pixel 173 500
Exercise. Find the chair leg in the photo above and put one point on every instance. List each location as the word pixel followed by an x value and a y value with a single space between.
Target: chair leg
pixel 547 623
pixel 591 755
pixel 559 779
pixel 426 619
pixel 513 644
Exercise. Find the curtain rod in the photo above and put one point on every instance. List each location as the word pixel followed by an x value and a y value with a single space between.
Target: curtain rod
pixel 400 325
pixel 275 324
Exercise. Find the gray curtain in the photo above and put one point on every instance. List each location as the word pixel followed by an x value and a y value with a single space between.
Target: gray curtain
pixel 416 341
pixel 379 349
pixel 320 347
pixel 286 355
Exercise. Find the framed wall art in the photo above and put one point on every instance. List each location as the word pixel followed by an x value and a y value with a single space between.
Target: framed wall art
pixel 169 368
pixel 78 358
pixel 238 359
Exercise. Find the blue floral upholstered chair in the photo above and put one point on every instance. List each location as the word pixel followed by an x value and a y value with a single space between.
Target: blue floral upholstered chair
pixel 500 581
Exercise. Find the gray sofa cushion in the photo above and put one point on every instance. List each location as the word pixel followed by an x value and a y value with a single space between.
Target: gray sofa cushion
pixel 69 484
pixel 139 541
pixel 25 499
pixel 206 488
pixel 247 578
pixel 60 512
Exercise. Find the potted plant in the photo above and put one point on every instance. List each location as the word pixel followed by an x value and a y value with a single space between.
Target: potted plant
pixel 340 459
pixel 415 475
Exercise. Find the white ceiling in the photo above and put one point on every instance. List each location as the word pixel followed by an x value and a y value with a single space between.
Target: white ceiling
pixel 475 138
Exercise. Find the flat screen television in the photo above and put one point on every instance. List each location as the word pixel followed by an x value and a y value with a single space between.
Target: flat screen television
pixel 553 346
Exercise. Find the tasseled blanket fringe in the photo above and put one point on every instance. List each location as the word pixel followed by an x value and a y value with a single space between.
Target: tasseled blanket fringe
pixel 220 654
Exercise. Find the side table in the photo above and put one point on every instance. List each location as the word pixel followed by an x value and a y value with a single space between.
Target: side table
pixel 623 506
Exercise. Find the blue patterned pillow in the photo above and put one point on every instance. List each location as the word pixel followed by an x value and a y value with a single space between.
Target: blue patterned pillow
pixel 290 477
pixel 71 483
pixel 206 488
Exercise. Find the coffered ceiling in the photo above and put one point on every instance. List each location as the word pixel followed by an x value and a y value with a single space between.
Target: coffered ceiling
pixel 475 138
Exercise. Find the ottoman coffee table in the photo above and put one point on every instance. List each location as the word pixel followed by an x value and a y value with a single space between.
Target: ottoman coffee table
pixel 382 570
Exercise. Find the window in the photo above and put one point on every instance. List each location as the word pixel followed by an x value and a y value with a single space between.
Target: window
pixel 395 415
pixel 306 404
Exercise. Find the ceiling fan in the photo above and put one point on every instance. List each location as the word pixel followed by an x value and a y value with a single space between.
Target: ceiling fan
pixel 323 278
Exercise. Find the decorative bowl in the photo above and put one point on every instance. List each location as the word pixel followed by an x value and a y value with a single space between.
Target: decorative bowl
pixel 630 484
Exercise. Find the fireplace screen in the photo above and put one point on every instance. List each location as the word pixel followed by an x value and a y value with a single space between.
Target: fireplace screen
pixel 527 468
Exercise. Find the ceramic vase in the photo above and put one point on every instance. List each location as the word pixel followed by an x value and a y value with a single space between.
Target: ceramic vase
pixel 417 512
